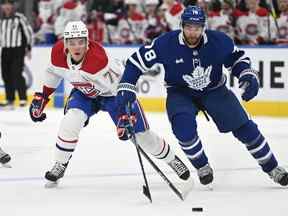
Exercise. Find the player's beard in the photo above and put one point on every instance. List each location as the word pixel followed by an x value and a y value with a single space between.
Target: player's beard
pixel 192 41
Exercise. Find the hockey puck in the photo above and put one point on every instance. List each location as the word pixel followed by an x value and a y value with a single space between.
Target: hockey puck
pixel 197 209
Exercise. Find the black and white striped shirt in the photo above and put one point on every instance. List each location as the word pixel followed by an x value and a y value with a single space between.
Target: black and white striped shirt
pixel 15 31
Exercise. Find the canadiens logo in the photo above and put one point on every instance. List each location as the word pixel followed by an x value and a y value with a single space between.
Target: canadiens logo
pixel 199 78
pixel 251 29
pixel 86 88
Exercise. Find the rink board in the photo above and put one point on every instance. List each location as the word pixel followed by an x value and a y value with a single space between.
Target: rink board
pixel 271 62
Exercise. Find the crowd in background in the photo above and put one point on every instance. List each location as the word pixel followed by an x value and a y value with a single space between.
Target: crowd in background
pixel 139 21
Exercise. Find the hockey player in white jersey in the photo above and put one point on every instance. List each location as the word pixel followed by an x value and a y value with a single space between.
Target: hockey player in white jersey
pixel 95 78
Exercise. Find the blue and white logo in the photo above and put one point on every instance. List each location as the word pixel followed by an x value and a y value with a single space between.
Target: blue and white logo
pixel 199 78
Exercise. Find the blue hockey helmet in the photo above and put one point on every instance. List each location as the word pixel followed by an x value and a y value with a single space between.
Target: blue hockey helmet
pixel 193 15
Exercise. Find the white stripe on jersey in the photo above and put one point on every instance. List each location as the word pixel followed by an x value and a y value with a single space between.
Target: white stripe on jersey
pixel 14 35
pixel 8 29
pixel 141 61
pixel 136 64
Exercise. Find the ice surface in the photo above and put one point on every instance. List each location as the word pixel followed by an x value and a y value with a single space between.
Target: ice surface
pixel 104 178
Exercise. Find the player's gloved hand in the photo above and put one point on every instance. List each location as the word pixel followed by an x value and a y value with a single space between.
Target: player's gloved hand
pixel 249 83
pixel 37 106
pixel 125 126
pixel 126 95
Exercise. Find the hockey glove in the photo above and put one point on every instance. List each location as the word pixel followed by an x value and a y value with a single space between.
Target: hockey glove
pixel 125 125
pixel 37 106
pixel 126 94
pixel 249 82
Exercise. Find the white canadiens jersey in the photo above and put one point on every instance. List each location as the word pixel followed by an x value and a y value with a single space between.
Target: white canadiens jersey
pixel 221 23
pixel 71 11
pixel 131 30
pixel 247 27
pixel 97 75
pixel 173 15
pixel 283 26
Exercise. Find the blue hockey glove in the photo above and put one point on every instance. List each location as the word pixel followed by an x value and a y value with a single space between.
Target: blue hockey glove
pixel 125 126
pixel 126 94
pixel 37 106
pixel 249 82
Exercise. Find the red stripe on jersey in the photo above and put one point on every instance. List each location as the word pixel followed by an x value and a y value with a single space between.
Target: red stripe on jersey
pixel 94 61
pixel 136 16
pixel 237 13
pixel 262 12
pixel 176 8
pixel 47 91
pixel 214 13
pixel 96 58
pixel 70 5
pixel 58 57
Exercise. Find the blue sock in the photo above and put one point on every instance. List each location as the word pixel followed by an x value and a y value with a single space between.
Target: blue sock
pixel 257 145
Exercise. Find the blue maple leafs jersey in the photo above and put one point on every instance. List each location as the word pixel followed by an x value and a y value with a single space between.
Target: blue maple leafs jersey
pixel 196 69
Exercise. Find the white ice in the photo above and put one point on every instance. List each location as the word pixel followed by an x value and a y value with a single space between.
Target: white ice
pixel 104 178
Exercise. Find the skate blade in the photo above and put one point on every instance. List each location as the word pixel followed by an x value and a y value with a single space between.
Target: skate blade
pixel 6 165
pixel 51 184
pixel 210 187
pixel 187 187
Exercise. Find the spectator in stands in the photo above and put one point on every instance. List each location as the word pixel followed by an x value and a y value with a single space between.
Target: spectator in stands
pixel 110 11
pixel 97 27
pixel 47 12
pixel 283 22
pixel 247 23
pixel 156 21
pixel 131 26
pixel 220 19
pixel 72 10
pixel 204 4
pixel 173 13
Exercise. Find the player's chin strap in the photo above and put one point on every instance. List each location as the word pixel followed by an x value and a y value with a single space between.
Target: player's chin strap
pixel 146 189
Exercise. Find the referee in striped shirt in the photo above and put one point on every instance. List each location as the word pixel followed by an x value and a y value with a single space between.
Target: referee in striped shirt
pixel 16 42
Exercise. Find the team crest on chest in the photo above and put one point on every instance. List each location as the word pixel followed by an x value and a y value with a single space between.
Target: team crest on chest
pixel 200 76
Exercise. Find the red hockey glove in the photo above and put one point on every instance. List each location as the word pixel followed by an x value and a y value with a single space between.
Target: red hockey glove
pixel 37 106
pixel 125 126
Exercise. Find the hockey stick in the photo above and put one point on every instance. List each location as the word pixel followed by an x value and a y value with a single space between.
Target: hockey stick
pixel 164 177
pixel 156 168
pixel 146 190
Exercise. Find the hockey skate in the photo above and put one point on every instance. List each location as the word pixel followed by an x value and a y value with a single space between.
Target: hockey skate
pixel 180 168
pixel 4 159
pixel 279 175
pixel 7 105
pixel 205 175
pixel 55 174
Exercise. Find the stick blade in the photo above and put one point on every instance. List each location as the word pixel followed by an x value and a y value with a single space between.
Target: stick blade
pixel 187 188
pixel 147 193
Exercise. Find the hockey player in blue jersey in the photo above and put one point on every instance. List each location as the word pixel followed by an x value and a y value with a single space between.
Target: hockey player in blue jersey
pixel 193 58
